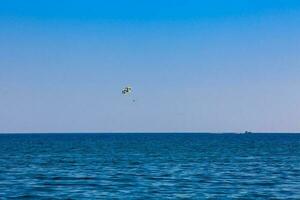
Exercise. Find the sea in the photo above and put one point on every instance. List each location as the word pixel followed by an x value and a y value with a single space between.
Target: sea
pixel 150 166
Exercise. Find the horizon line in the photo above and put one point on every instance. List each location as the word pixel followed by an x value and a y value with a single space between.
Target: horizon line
pixel 153 132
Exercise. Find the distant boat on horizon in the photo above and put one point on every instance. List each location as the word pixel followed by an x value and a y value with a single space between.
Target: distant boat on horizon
pixel 247 132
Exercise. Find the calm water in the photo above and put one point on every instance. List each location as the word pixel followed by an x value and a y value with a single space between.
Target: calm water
pixel 150 166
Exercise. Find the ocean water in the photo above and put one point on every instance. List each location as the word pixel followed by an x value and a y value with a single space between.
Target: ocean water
pixel 150 166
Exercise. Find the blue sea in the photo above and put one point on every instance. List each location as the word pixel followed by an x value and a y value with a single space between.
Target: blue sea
pixel 150 166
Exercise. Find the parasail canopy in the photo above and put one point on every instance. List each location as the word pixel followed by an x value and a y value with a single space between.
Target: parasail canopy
pixel 127 90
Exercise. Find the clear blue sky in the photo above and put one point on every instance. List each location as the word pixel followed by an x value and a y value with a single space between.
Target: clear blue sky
pixel 194 65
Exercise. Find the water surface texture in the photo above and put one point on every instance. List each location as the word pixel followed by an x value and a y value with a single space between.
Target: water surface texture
pixel 150 166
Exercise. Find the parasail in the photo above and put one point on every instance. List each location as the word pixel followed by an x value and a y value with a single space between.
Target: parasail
pixel 127 90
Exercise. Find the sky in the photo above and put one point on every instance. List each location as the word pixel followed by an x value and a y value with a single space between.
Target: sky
pixel 194 66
